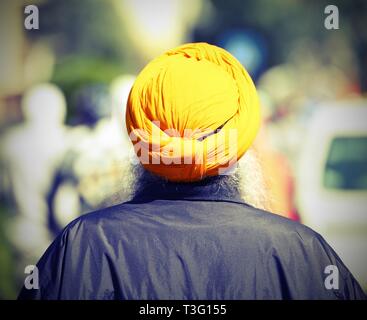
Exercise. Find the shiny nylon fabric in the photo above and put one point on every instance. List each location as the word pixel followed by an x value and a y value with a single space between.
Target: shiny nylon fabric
pixel 188 245
pixel 193 111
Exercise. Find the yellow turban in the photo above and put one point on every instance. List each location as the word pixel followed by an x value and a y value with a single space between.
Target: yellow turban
pixel 192 113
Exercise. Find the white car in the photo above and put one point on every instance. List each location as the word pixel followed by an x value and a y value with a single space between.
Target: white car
pixel 331 193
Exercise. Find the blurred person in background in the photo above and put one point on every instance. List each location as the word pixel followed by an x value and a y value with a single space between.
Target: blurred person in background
pixel 195 228
pixel 31 153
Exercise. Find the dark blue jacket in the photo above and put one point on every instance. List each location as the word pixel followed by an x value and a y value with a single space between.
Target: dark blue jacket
pixel 189 243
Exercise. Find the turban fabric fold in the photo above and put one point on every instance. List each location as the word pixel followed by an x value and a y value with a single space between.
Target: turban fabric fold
pixel 192 113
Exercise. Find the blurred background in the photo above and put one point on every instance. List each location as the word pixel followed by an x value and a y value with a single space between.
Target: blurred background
pixel 63 88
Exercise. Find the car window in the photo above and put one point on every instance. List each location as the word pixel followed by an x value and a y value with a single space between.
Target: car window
pixel 346 165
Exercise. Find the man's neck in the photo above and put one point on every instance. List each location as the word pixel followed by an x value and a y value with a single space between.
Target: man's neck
pixel 224 187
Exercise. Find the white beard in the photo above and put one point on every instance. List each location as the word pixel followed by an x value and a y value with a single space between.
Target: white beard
pixel 247 178
pixel 253 186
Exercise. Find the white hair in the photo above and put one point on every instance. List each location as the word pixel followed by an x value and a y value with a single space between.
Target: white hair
pixel 253 185
pixel 247 179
